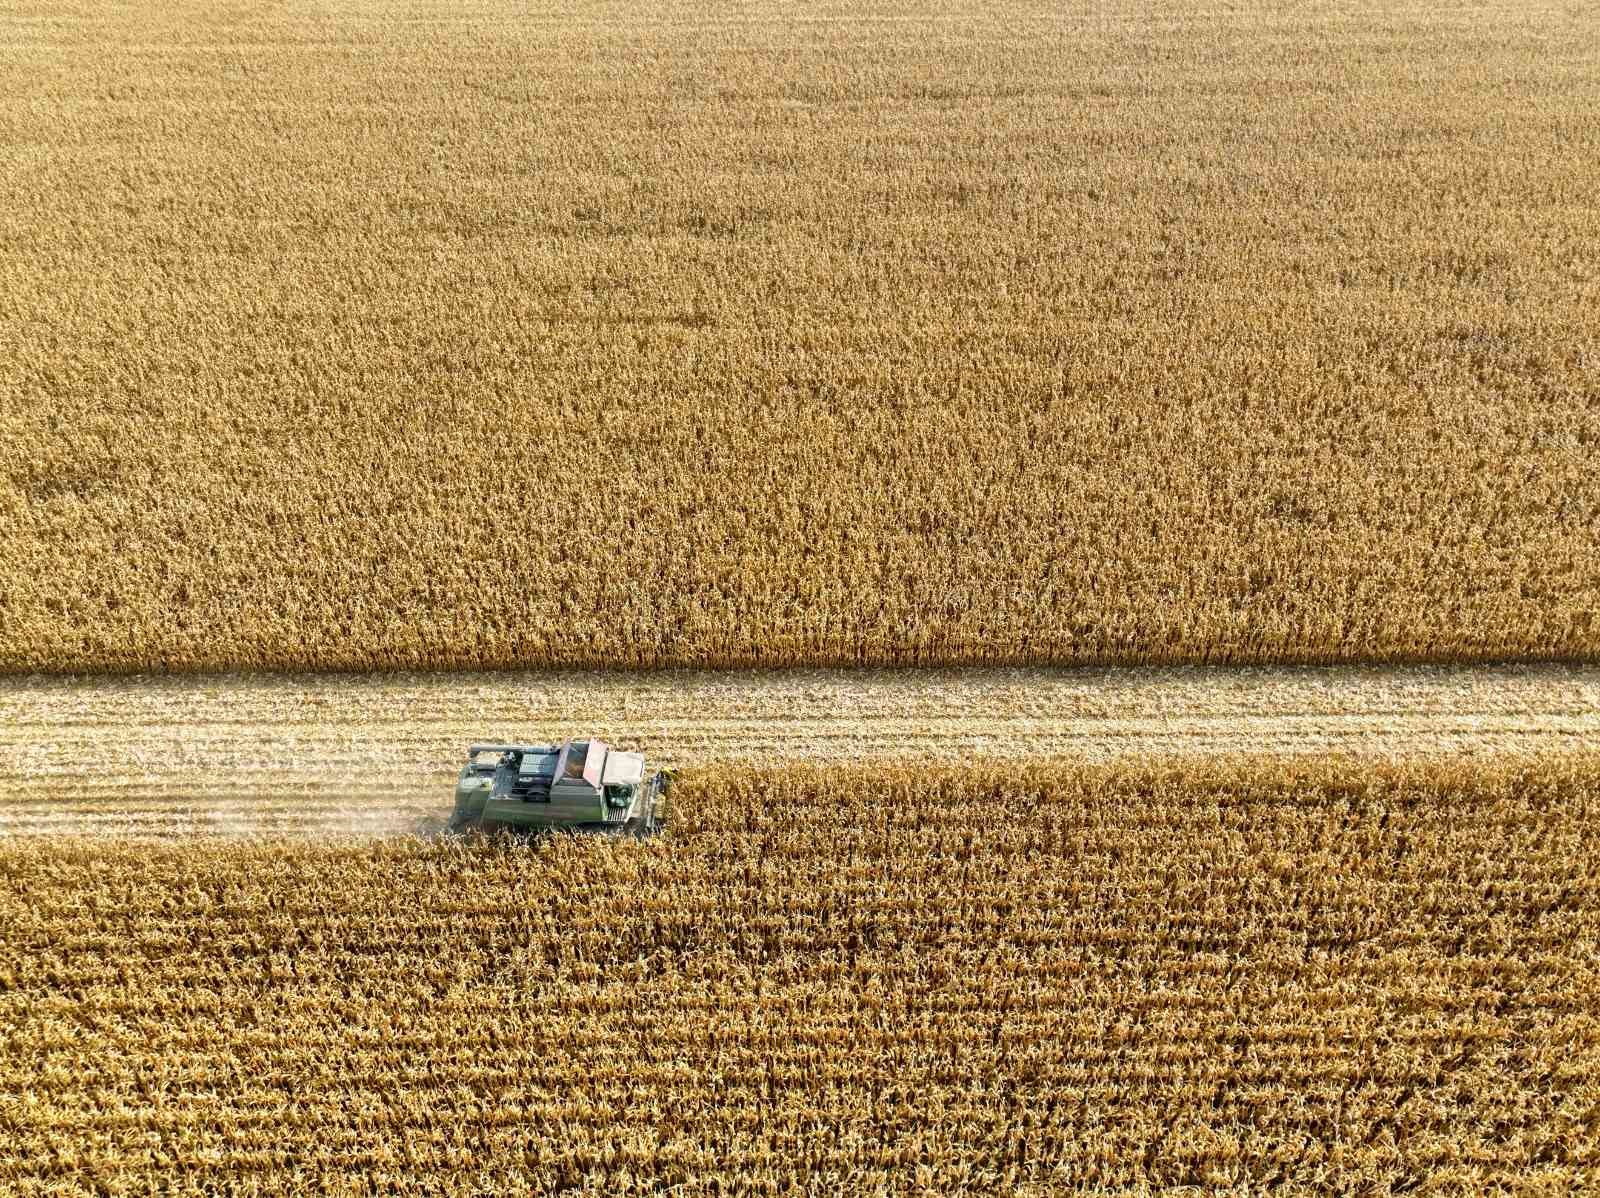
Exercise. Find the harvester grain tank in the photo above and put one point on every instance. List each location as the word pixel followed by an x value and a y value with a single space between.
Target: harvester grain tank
pixel 584 786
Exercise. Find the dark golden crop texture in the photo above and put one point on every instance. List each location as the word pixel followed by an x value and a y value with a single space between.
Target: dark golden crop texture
pixel 366 334
pixel 981 980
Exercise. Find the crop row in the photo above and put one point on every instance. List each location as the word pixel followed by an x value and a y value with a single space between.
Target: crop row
pixel 986 979
pixel 957 335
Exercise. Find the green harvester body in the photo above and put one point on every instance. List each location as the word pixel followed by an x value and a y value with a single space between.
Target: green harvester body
pixel 582 786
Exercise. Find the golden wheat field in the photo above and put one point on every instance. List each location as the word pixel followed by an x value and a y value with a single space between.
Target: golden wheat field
pixel 1230 977
pixel 368 334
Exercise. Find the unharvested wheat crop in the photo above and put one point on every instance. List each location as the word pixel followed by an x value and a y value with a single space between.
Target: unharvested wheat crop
pixel 1015 980
pixel 367 334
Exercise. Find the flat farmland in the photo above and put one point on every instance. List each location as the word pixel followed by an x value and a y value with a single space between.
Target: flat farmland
pixel 376 755
pixel 1098 499
pixel 436 334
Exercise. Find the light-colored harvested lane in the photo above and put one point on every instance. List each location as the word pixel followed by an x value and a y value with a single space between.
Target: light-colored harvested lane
pixel 375 754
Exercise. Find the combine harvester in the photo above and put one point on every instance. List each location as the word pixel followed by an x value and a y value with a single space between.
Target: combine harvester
pixel 582 786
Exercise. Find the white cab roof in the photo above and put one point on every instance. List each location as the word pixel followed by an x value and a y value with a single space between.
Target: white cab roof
pixel 624 768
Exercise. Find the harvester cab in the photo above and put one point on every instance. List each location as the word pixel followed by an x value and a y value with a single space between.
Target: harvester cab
pixel 581 786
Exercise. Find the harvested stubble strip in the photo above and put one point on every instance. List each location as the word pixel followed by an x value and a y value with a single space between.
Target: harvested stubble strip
pixel 1021 979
